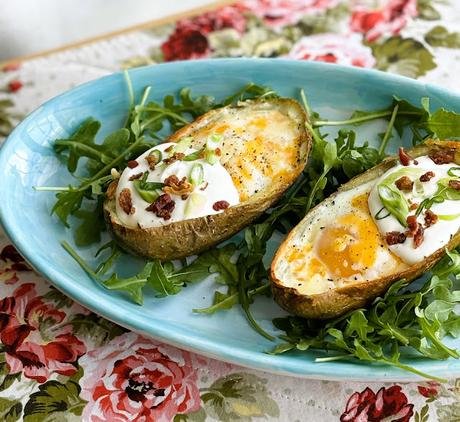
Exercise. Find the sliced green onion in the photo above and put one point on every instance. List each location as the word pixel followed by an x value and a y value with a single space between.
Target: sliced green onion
pixel 395 203
pixel 211 157
pixel 148 191
pixel 378 216
pixel 194 155
pixel 156 153
pixel 451 171
pixel 197 174
pixel 183 144
pixel 448 217
pixel 213 142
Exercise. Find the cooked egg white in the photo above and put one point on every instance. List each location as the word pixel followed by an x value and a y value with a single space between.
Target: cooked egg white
pixel 436 236
pixel 249 136
pixel 339 245
pixel 217 186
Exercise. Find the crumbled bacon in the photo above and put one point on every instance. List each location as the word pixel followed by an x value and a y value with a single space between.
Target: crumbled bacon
pixel 427 176
pixel 404 183
pixel 405 158
pixel 126 202
pixel 218 152
pixel 152 161
pixel 110 193
pixel 442 156
pixel 173 185
pixel 220 205
pixel 162 207
pixel 132 164
pixel 393 238
pixel 418 236
pixel 413 206
pixel 430 218
pixel 412 225
pixel 135 176
pixel 415 230
pixel 170 148
pixel 454 184
pixel 184 197
pixel 177 156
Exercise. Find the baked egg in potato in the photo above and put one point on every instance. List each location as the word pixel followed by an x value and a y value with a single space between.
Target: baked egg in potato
pixel 209 179
pixel 395 221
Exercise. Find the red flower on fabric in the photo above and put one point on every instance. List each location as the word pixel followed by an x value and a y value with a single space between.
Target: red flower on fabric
pixel 14 85
pixel 388 20
pixel 33 343
pixel 280 13
pixel 12 262
pixel 333 48
pixel 189 40
pixel 134 379
pixel 429 389
pixel 370 407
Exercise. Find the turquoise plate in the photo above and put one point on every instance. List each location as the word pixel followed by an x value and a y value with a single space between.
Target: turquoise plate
pixel 27 159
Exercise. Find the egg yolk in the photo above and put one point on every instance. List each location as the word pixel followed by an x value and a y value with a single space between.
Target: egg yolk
pixel 350 245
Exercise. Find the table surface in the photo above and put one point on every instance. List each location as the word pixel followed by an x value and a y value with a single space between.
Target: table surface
pixel 60 362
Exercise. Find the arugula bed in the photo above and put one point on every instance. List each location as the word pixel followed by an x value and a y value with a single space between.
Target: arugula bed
pixel 403 321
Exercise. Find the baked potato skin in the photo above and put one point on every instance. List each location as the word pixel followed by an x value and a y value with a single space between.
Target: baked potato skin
pixel 189 237
pixel 336 302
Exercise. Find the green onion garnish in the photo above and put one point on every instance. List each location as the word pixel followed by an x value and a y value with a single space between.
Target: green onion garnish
pixel 197 174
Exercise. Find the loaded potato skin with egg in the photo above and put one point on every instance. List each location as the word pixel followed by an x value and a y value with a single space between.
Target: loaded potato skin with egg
pixel 263 148
pixel 339 277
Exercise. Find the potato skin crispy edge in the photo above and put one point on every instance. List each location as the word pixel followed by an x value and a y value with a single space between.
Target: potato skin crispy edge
pixel 336 302
pixel 190 237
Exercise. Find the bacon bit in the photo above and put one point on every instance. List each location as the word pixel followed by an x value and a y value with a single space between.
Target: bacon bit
pixel 412 224
pixel 454 184
pixel 132 164
pixel 442 156
pixel 393 238
pixel 177 156
pixel 418 236
pixel 174 186
pixel 126 202
pixel 220 205
pixel 405 158
pixel 430 218
pixel 413 206
pixel 162 207
pixel 135 176
pixel 204 186
pixel 218 152
pixel 169 149
pixel 14 85
pixel 152 161
pixel 110 193
pixel 427 176
pixel 184 197
pixel 404 183
pixel 414 230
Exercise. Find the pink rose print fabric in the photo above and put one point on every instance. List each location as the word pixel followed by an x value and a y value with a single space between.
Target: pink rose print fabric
pixel 134 379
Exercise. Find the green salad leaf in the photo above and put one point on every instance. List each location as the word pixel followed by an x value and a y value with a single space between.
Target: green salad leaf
pixel 416 319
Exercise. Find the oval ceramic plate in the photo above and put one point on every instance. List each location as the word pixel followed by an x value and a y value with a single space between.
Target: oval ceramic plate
pixel 27 159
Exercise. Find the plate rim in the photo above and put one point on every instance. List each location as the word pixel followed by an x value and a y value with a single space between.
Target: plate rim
pixel 182 339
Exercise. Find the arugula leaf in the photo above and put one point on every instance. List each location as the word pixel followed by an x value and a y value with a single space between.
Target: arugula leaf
pixel 92 225
pixel 446 124
pixel 80 144
pixel 418 320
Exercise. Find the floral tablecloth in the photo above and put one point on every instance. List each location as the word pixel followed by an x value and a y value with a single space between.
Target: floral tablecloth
pixel 60 362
